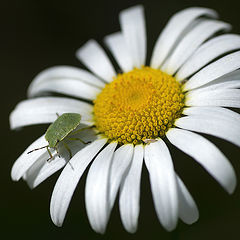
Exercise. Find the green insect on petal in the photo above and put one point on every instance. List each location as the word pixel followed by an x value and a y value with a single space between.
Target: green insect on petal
pixel 60 128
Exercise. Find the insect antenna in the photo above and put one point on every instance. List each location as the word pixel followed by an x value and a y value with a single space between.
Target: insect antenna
pixel 50 154
pixel 37 149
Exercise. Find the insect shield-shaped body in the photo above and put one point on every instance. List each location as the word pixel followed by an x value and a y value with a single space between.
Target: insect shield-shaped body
pixel 63 126
pixel 60 129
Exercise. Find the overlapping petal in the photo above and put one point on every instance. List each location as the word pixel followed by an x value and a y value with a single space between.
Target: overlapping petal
pixel 229 80
pixel 129 200
pixel 207 154
pixel 188 211
pixel 97 189
pixel 163 183
pixel 219 127
pixel 207 52
pixel 217 69
pixel 132 23
pixel 174 30
pixel 117 45
pixel 190 42
pixel 213 112
pixel 121 163
pixel 218 97
pixel 55 79
pixel 69 178
pixel 42 169
pixel 94 57
pixel 45 110
pixel 25 161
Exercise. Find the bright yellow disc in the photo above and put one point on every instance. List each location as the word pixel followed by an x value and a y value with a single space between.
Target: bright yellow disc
pixel 138 105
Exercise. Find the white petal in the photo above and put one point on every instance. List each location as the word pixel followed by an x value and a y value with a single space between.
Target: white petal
pixel 174 30
pixel 94 57
pixel 222 128
pixel 25 161
pixel 205 153
pixel 163 183
pixel 42 169
pixel 69 178
pixel 67 86
pixel 132 23
pixel 64 72
pixel 43 110
pixel 129 199
pixel 214 70
pixel 190 42
pixel 218 97
pixel 214 112
pixel 117 45
pixel 228 81
pixel 207 52
pixel 121 163
pixel 221 118
pixel 188 211
pixel 97 189
pixel 216 102
pixel 221 84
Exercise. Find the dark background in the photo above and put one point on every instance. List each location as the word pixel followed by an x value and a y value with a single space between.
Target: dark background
pixel 40 34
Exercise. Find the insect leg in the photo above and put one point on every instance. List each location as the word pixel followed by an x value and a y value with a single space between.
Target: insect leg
pixel 50 154
pixel 68 149
pixel 37 149
pixel 57 151
pixel 70 153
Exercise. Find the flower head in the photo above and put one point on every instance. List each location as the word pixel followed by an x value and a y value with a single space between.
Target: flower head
pixel 128 117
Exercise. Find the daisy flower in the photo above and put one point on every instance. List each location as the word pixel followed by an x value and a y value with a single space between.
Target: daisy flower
pixel 192 77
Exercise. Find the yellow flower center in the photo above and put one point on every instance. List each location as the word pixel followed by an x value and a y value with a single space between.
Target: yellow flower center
pixel 139 105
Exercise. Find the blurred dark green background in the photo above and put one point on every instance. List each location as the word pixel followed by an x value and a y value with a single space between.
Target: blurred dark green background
pixel 40 34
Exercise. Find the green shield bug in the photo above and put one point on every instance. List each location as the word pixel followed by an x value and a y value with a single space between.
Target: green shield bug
pixel 61 129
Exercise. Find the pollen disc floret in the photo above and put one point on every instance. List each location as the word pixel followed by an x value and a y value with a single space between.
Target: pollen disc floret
pixel 138 105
